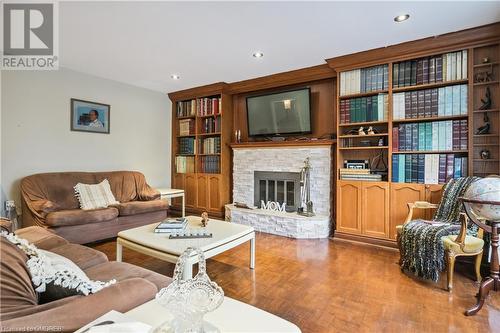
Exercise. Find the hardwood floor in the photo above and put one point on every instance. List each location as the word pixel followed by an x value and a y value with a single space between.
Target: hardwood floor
pixel 336 286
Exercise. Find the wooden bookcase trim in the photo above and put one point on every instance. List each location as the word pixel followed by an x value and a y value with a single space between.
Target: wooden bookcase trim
pixel 483 35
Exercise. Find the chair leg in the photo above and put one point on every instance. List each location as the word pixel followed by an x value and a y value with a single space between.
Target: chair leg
pixel 450 269
pixel 479 257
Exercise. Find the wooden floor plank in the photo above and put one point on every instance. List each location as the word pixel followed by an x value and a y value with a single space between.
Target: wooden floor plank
pixel 336 286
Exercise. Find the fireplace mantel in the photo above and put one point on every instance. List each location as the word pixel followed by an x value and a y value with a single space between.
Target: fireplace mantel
pixel 278 144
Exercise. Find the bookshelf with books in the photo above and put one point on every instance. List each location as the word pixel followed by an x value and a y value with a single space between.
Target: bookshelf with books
pixel 202 121
pixel 425 135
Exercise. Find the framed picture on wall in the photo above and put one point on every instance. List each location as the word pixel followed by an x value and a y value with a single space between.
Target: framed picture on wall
pixel 89 116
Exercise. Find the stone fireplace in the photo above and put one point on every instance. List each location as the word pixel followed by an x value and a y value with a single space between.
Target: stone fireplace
pixel 274 173
pixel 282 187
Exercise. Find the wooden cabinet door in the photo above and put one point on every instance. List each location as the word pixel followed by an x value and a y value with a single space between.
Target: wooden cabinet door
pixel 214 186
pixel 178 182
pixel 375 209
pixel 349 206
pixel 402 194
pixel 433 194
pixel 190 189
pixel 202 192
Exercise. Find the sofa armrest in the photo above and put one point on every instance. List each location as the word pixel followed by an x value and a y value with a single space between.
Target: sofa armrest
pixel 70 314
pixel 41 237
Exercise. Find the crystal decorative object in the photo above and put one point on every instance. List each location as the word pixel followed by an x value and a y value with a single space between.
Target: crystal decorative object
pixel 189 300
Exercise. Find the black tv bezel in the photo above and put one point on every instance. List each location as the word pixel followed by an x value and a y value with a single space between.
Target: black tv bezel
pixel 280 134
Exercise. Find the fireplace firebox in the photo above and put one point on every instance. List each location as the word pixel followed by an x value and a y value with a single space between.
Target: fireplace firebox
pixel 281 187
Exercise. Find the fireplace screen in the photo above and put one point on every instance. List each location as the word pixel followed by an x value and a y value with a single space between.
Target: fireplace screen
pixel 282 187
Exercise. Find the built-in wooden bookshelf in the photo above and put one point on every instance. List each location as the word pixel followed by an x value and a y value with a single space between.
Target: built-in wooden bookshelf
pixel 386 198
pixel 201 132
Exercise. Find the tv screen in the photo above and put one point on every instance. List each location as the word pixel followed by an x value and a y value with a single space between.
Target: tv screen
pixel 281 113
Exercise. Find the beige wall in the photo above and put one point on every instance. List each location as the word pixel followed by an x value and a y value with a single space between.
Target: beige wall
pixel 36 136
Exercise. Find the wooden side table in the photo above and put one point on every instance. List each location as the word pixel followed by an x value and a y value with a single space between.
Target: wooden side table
pixel 491 282
pixel 169 193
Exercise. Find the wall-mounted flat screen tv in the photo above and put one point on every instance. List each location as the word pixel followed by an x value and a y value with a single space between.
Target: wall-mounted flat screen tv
pixel 282 113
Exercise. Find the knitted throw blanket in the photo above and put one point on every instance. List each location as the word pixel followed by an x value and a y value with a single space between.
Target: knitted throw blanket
pixel 422 250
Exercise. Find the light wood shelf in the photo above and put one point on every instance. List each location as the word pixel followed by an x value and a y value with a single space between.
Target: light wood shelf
pixel 485 83
pixel 432 152
pixel 429 85
pixel 362 148
pixel 485 64
pixel 365 94
pixel 348 136
pixel 382 122
pixel 415 120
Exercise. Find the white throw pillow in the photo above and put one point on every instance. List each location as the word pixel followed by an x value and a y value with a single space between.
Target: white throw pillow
pixel 93 196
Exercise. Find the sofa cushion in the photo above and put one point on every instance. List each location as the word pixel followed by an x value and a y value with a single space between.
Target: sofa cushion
pixel 79 216
pixel 83 256
pixel 16 290
pixel 139 207
pixel 94 196
pixel 122 271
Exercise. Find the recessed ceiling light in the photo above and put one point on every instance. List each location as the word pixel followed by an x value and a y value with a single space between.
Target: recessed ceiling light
pixel 175 76
pixel 401 18
pixel 258 55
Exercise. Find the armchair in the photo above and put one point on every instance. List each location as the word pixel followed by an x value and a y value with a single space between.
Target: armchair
pixel 429 247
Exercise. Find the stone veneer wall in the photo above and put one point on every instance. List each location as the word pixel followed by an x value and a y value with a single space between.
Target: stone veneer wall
pixel 248 160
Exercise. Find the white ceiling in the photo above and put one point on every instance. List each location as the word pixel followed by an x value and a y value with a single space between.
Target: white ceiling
pixel 143 43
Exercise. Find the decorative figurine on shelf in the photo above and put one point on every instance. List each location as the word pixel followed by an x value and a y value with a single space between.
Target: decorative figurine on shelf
pixel 381 142
pixel 361 131
pixel 485 154
pixel 486 100
pixel 486 60
pixel 370 131
pixel 485 129
pixel 484 76
pixel 204 219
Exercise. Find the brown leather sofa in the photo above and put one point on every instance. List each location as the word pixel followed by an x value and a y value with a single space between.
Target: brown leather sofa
pixel 49 201
pixel 20 310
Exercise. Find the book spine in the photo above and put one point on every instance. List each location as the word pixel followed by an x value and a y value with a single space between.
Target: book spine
pixel 401 137
pixel 434 102
pixel 442 169
pixel 449 166
pixel 407 73
pixel 408 173
pixel 395 75
pixel 395 166
pixel 456 134
pixel 420 72
pixel 395 138
pixel 414 137
pixel 425 70
pixel 428 136
pixel 428 103
pixel 421 169
pixel 464 133
pixel 421 105
pixel 463 99
pixel 441 102
pixel 439 69
pixel 413 73
pixel 432 70
pixel 421 136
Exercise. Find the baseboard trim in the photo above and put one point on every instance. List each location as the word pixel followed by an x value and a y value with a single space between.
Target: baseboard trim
pixel 385 243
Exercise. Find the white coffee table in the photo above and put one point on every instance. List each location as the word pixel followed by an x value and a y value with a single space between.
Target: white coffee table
pixel 226 235
pixel 232 316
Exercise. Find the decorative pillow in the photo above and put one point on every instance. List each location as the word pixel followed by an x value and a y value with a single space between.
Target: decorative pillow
pixel 54 276
pixel 95 196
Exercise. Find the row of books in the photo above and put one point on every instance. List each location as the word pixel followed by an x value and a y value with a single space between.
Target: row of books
pixel 211 125
pixel 210 164
pixel 362 109
pixel 437 102
pixel 364 80
pixel 430 136
pixel 359 174
pixel 210 145
pixel 187 146
pixel 184 164
pixel 186 126
pixel 200 106
pixel 427 168
pixel 446 67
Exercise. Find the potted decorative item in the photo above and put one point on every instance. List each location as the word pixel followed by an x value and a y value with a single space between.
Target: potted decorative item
pixel 189 300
